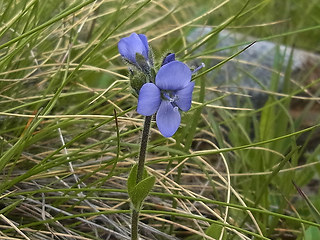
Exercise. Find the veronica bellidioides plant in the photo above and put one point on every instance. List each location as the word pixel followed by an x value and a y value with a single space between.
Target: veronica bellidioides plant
pixel 165 93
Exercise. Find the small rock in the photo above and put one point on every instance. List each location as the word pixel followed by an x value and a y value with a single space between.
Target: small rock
pixel 260 67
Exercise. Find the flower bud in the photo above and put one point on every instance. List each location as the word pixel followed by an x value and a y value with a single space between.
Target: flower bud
pixel 136 82
pixel 142 63
pixel 168 58
pixel 135 50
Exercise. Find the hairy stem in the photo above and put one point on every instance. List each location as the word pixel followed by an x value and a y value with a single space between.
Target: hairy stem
pixel 140 169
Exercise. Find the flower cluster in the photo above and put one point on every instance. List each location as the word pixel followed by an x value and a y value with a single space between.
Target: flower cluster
pixel 165 94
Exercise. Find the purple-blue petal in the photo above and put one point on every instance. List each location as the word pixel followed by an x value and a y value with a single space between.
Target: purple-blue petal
pixel 173 76
pixel 144 40
pixel 168 119
pixel 129 46
pixel 169 58
pixel 149 99
pixel 184 97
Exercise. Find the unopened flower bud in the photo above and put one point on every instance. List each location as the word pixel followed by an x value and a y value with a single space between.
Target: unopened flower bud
pixel 136 82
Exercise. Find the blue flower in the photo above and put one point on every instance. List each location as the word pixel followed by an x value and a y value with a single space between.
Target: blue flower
pixel 130 47
pixel 172 91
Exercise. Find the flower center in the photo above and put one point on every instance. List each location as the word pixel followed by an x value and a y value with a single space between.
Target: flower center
pixel 169 96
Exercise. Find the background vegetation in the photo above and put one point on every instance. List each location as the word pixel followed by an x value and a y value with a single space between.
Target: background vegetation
pixel 69 132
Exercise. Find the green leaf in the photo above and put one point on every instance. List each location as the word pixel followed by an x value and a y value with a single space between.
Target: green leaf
pixel 132 179
pixel 314 211
pixel 214 231
pixel 312 233
pixel 145 174
pixel 11 207
pixel 141 191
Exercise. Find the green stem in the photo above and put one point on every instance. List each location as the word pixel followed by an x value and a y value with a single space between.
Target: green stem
pixel 140 169
pixel 134 224
pixel 143 147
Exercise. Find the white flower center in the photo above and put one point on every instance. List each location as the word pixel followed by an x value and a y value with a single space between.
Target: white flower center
pixel 170 96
